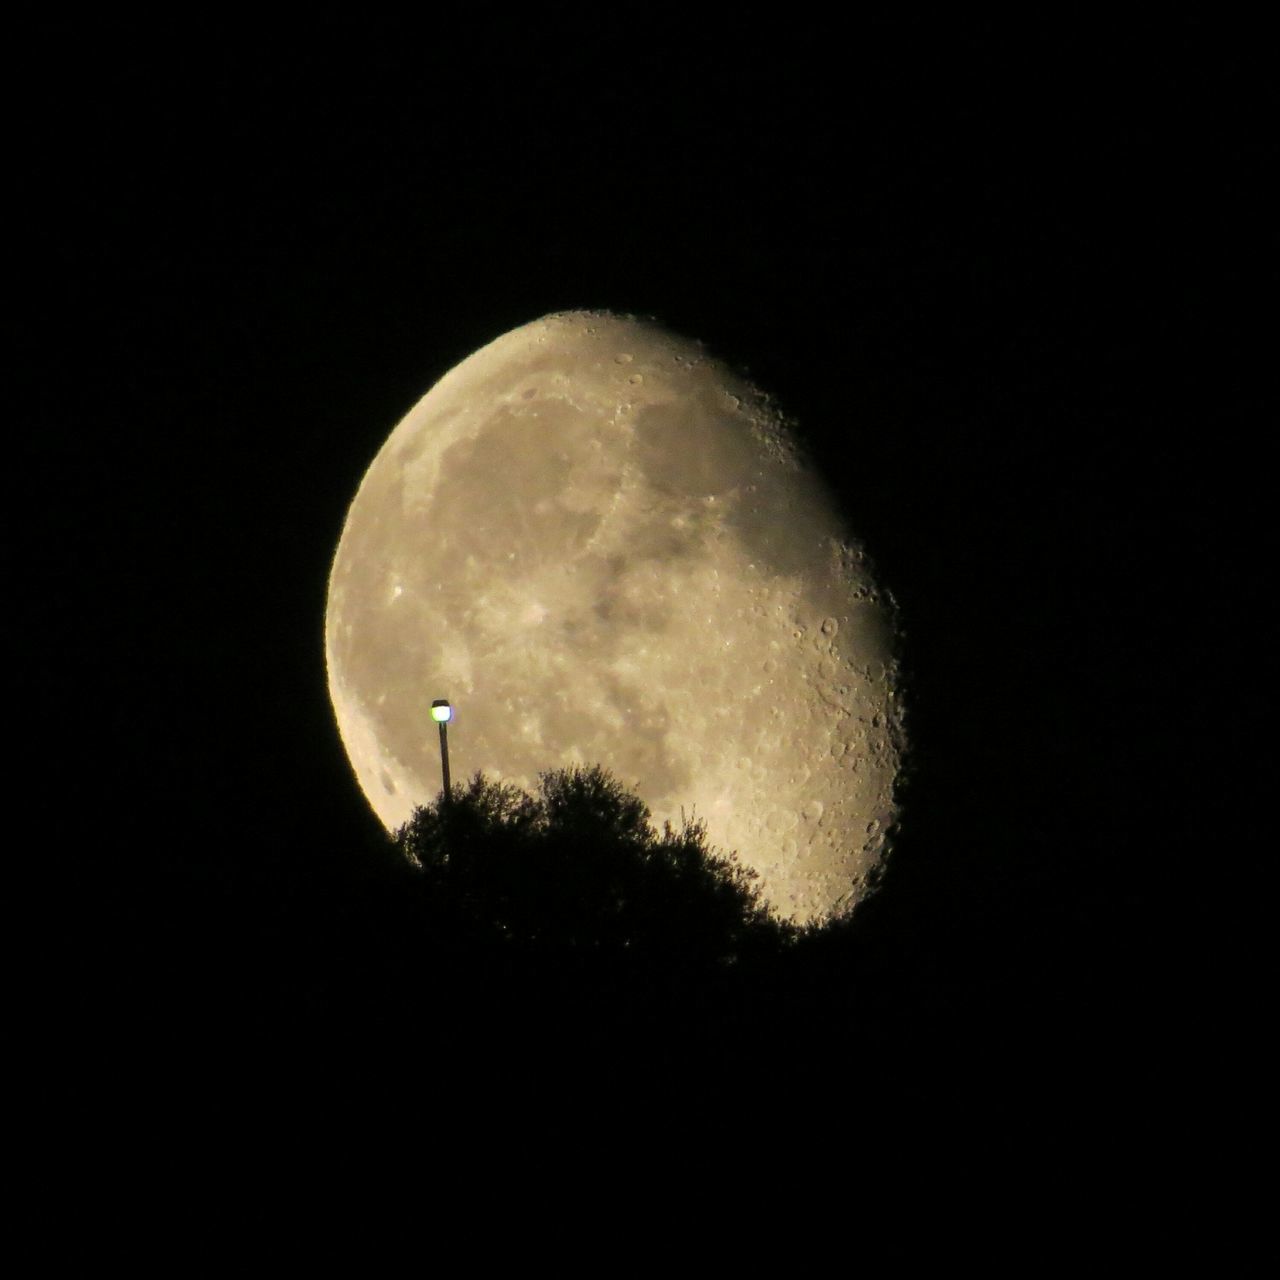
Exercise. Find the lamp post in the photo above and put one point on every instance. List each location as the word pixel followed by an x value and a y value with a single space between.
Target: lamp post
pixel 442 713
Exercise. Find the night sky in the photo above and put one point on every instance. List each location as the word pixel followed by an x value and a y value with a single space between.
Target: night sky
pixel 990 272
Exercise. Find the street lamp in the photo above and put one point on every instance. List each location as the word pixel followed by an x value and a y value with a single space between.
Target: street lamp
pixel 442 713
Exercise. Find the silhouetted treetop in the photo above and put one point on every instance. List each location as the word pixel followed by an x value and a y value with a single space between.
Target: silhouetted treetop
pixel 580 865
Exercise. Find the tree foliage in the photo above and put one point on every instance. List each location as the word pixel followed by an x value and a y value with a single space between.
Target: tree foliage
pixel 580 866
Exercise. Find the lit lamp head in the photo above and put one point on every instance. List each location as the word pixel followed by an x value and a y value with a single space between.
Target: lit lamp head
pixel 441 711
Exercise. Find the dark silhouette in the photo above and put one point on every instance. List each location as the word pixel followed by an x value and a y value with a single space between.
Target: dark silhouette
pixel 579 867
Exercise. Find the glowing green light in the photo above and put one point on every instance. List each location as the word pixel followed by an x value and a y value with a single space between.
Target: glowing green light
pixel 441 710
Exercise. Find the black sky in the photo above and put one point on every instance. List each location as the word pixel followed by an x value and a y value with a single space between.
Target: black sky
pixel 994 273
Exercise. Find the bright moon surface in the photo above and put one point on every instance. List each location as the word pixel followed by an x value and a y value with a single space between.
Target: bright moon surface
pixel 603 547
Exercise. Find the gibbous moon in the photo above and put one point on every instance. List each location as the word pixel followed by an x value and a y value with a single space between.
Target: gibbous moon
pixel 604 547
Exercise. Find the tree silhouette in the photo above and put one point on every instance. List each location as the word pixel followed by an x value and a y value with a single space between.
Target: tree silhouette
pixel 580 867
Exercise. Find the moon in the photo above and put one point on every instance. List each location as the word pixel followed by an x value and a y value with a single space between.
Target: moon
pixel 604 546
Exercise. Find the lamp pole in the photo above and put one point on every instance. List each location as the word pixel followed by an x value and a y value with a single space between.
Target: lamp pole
pixel 442 713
